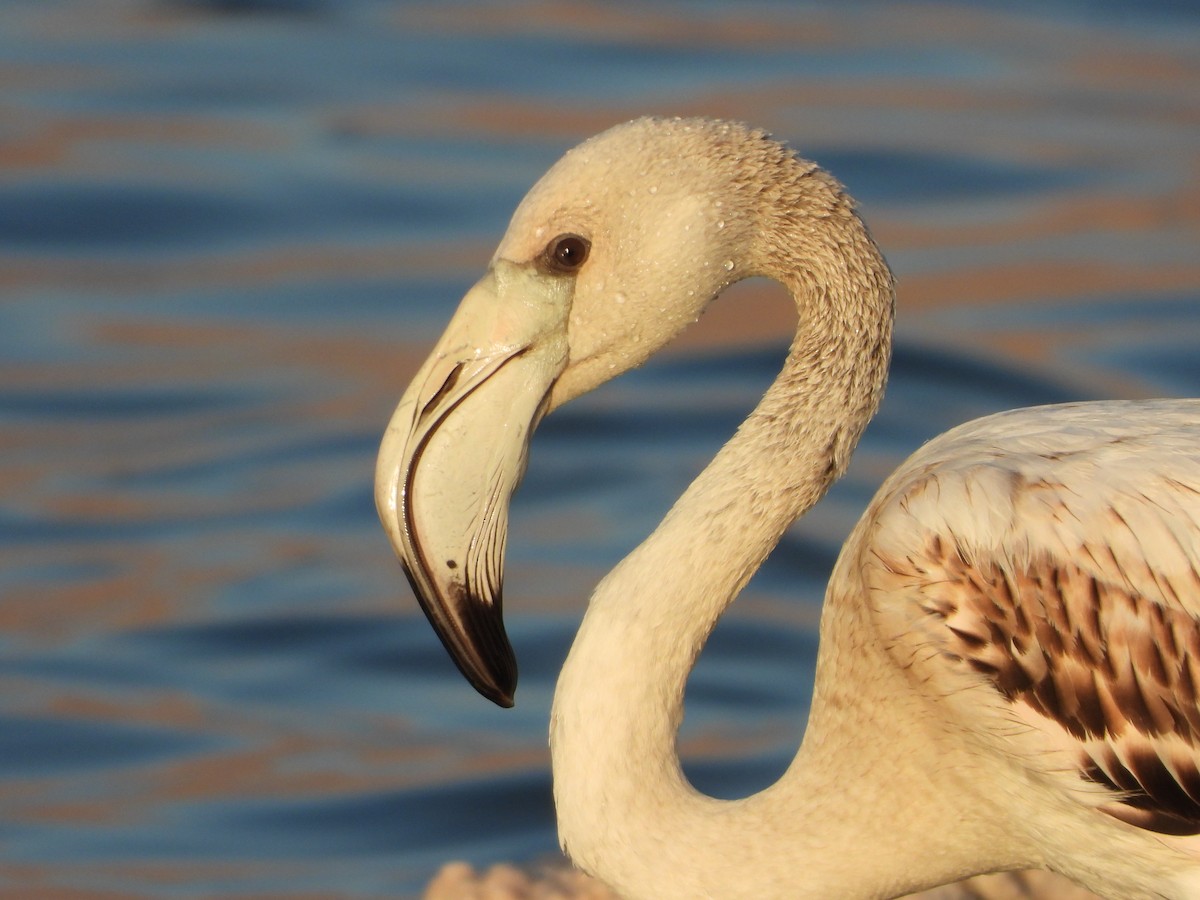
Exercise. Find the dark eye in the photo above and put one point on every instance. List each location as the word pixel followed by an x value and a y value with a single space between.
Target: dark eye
pixel 566 253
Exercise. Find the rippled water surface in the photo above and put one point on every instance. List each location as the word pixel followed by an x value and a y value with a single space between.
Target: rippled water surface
pixel 230 230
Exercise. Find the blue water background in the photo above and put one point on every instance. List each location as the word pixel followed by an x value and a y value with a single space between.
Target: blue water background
pixel 230 230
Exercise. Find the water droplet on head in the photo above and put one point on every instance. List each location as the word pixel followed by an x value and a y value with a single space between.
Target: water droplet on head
pixel 653 189
pixel 619 298
pixel 721 224
pixel 728 265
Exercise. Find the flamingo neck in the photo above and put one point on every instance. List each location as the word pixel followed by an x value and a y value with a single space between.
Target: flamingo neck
pixel 626 812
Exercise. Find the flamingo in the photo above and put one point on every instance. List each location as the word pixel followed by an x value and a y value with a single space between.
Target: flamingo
pixel 1009 650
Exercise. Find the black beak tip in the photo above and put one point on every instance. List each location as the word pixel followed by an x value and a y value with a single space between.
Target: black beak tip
pixel 475 639
pixel 493 672
pixel 500 694
pixel 494 676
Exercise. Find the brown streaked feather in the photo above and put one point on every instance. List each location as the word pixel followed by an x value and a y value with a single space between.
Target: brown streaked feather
pixel 1073 589
pixel 1099 661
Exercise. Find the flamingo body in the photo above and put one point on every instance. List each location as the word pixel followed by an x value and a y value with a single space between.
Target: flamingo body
pixel 1037 573
pixel 1010 646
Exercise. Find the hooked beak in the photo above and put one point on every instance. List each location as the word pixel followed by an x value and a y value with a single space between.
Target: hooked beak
pixel 454 452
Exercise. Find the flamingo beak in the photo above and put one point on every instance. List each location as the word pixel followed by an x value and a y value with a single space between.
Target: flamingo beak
pixel 454 452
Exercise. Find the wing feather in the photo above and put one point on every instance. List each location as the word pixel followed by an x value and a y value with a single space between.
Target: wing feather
pixel 1055 553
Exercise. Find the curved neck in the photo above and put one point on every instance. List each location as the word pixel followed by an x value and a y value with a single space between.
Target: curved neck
pixel 626 812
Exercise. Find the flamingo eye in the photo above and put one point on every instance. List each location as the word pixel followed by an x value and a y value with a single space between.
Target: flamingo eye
pixel 566 253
